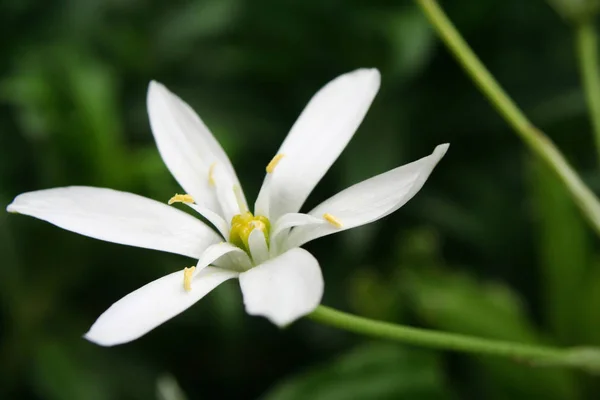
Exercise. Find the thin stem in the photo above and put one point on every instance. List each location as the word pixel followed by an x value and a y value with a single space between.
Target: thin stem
pixel 537 141
pixel 535 355
pixel 587 51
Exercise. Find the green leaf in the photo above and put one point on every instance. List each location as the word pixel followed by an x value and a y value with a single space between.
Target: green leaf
pixel 412 41
pixel 453 301
pixel 374 371
pixel 167 388
pixel 575 10
pixel 58 375
pixel 564 251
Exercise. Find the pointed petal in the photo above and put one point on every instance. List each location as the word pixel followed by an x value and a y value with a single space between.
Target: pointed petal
pixel 143 310
pixel 284 288
pixel 262 204
pixel 291 220
pixel 226 195
pixel 318 137
pixel 216 251
pixel 215 219
pixel 369 200
pixel 118 217
pixel 234 261
pixel 186 145
pixel 281 229
pixel 258 246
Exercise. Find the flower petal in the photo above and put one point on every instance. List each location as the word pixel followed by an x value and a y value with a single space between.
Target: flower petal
pixel 280 231
pixel 225 189
pixel 234 261
pixel 258 246
pixel 318 137
pixel 261 206
pixel 143 310
pixel 369 200
pixel 284 288
pixel 290 220
pixel 186 145
pixel 212 217
pixel 216 251
pixel 118 217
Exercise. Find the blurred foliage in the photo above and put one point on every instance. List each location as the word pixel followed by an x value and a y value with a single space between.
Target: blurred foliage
pixel 375 371
pixel 491 246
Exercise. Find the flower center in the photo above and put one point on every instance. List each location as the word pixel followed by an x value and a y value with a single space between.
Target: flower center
pixel 243 224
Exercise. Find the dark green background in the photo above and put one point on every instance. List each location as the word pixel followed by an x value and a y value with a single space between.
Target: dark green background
pixel 491 246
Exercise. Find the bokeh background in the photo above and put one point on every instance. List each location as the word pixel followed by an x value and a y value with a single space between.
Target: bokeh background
pixel 491 246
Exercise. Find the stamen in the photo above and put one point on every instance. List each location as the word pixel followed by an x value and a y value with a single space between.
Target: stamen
pixel 332 220
pixel 181 198
pixel 187 278
pixel 274 162
pixel 211 172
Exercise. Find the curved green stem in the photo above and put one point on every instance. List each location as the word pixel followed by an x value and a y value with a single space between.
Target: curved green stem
pixel 588 359
pixel 587 51
pixel 537 141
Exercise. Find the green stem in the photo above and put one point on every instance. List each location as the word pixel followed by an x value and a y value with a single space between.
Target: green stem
pixel 536 355
pixel 537 141
pixel 587 50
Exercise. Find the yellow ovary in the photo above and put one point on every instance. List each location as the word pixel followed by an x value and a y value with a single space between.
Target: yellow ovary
pixel 242 226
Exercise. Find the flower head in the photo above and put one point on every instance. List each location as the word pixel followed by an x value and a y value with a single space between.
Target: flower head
pixel 260 247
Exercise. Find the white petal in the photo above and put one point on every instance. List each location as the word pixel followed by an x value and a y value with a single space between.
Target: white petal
pixel 216 251
pixel 283 289
pixel 262 204
pixel 118 217
pixel 234 261
pixel 318 137
pixel 212 217
pixel 258 246
pixel 143 310
pixel 369 200
pixel 228 201
pixel 280 231
pixel 290 220
pixel 186 145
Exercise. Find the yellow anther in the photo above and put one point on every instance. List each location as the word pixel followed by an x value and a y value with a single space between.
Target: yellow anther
pixel 273 163
pixel 181 198
pixel 211 173
pixel 332 220
pixel 187 278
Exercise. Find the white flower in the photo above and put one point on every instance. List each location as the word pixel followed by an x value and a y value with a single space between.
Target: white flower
pixel 278 279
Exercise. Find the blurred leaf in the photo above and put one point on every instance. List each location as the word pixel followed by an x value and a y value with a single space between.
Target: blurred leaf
pixel 412 40
pixel 564 251
pixel 167 388
pixel 588 317
pixel 185 25
pixel 375 371
pixel 371 294
pixel 455 302
pixel 575 10
pixel 93 88
pixel 59 375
